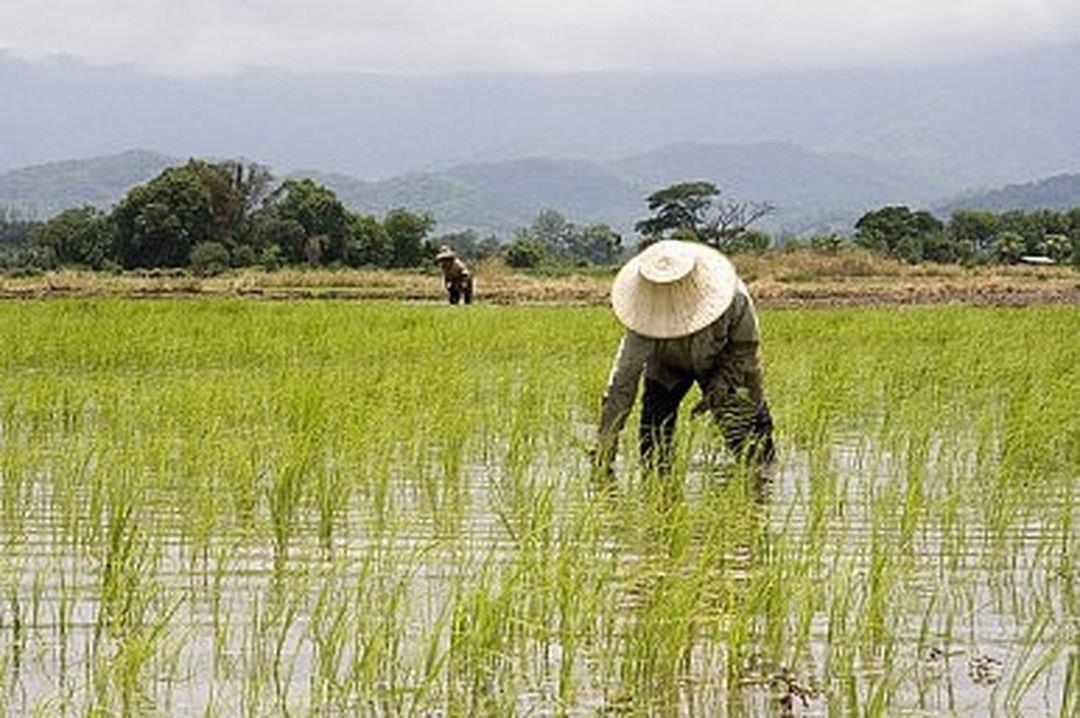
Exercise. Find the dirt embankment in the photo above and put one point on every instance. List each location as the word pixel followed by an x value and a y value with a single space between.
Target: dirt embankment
pixel 781 279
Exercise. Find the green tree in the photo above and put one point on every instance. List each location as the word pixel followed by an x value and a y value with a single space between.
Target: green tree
pixel 286 237
pixel 407 231
pixel 683 205
pixel 209 258
pixel 524 253
pixel 158 223
pixel 562 241
pixel 752 240
pixel 897 231
pixel 80 236
pixel 557 234
pixel 939 246
pixel 1009 247
pixel 976 228
pixel 1056 246
pixel 597 244
pixel 1025 224
pixel 235 191
pixel 695 211
pixel 317 211
pixel 830 243
pixel 15 229
pixel 369 244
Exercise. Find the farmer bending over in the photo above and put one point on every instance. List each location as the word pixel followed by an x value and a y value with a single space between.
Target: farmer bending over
pixel 456 277
pixel 688 319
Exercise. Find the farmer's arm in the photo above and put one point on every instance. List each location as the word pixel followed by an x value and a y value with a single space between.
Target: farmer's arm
pixel 621 390
pixel 743 348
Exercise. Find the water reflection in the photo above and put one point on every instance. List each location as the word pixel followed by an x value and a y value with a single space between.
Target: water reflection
pixel 716 590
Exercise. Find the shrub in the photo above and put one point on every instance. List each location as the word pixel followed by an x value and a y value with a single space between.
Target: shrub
pixel 209 258
pixel 827 243
pixel 524 253
pixel 752 240
pixel 1056 246
pixel 1008 247
pixel 270 258
pixel 244 256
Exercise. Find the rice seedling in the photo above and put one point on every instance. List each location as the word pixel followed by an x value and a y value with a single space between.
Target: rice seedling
pixel 232 507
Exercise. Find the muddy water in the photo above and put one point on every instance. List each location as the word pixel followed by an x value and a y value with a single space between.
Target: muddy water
pixel 983 621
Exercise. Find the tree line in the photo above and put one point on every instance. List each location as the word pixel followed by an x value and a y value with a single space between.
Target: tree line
pixel 209 216
pixel 696 211
pixel 971 235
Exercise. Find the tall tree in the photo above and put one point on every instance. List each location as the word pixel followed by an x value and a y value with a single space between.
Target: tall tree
pixel 694 210
pixel 158 223
pixel 325 221
pixel 407 231
pixel 369 244
pixel 76 236
pixel 684 205
pixel 886 228
pixel 976 228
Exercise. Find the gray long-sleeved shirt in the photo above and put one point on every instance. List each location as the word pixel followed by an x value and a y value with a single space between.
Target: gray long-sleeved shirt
pixel 721 357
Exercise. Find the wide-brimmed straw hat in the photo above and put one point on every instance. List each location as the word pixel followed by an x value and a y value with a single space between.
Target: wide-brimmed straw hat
pixel 673 289
pixel 444 253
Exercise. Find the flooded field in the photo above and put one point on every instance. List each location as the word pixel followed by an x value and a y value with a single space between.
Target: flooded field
pixel 232 507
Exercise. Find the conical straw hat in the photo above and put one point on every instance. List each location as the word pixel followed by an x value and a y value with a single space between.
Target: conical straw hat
pixel 673 289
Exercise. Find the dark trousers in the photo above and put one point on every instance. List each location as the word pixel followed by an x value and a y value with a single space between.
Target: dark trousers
pixel 747 433
pixel 460 291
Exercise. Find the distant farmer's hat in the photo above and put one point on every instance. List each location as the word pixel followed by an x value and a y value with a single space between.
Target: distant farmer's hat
pixel 444 253
pixel 673 289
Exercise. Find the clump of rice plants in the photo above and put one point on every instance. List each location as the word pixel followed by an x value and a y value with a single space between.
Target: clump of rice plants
pixel 226 506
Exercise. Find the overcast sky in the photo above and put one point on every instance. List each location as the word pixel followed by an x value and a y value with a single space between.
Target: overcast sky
pixel 200 37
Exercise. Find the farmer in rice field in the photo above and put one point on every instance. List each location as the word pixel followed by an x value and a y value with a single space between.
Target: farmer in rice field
pixel 688 319
pixel 456 277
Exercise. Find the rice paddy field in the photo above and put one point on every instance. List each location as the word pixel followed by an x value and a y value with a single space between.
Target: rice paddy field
pixel 234 507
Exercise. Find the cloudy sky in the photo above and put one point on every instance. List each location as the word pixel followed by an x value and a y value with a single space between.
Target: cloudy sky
pixel 209 37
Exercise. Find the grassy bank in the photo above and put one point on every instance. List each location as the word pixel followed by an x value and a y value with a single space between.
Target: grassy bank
pixel 776 279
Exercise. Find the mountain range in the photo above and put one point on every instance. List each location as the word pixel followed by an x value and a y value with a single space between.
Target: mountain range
pixel 978 123
pixel 809 190
pixel 1060 192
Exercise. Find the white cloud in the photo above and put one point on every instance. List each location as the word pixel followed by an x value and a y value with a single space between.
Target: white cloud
pixel 215 36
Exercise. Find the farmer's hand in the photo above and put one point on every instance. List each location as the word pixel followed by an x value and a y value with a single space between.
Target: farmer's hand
pixel 601 460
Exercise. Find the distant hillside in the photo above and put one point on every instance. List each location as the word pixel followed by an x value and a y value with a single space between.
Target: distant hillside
pixel 1060 192
pixel 500 197
pixel 984 122
pixel 810 190
pixel 43 190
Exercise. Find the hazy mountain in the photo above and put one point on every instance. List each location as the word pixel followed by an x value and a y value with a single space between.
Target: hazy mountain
pixel 500 197
pixel 959 125
pixel 810 190
pixel 1061 192
pixel 43 190
pixel 806 187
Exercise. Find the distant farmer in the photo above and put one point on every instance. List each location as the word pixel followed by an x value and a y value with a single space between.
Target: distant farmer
pixel 688 319
pixel 456 277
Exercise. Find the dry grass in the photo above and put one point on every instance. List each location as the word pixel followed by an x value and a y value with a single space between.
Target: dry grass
pixel 793 278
